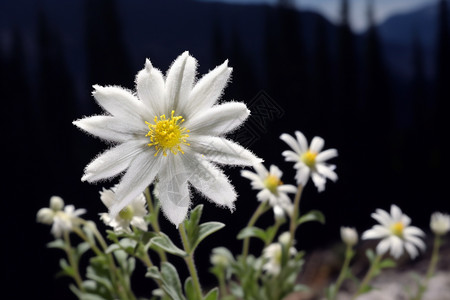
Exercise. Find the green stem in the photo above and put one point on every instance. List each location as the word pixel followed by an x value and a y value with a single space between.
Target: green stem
pixel 343 273
pixel 72 261
pixel 262 208
pixel 222 286
pixel 294 216
pixel 154 222
pixel 190 260
pixel 277 225
pixel 93 246
pixel 431 267
pixel 368 277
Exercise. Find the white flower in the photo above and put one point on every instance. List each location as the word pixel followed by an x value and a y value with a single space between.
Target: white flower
pixel 395 232
pixel 132 214
pixel 271 188
pixel 349 235
pixel 62 218
pixel 310 161
pixel 273 254
pixel 172 130
pixel 440 223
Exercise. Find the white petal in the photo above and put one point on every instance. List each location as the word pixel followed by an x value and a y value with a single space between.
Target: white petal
pixel 302 142
pixel 396 246
pixel 140 174
pixel 416 241
pixel 316 144
pixel 139 222
pixel 107 197
pixel 383 246
pixel 412 251
pixel 223 151
pixel 290 155
pixel 319 181
pixel 113 161
pixel 382 217
pixel 326 155
pixel 261 171
pixel 396 213
pixel 326 171
pixel 275 171
pixel 179 81
pixel 110 128
pixel 208 89
pixel 120 103
pixel 250 175
pixel 412 230
pixel 173 188
pixel 212 183
pixel 150 88
pixel 288 139
pixel 45 216
pixel 263 195
pixel 376 232
pixel 219 119
pixel 302 175
pixel 287 188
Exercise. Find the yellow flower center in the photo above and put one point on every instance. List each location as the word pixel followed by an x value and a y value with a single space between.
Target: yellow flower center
pixel 272 182
pixel 127 213
pixel 397 229
pixel 167 134
pixel 309 158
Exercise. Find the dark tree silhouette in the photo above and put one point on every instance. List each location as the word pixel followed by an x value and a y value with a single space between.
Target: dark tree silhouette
pixel 442 82
pixel 108 61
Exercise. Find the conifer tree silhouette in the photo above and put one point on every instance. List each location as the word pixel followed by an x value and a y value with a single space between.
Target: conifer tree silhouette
pixel 442 83
pixel 107 58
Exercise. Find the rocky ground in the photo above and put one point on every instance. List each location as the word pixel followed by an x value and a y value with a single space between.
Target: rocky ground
pixel 322 267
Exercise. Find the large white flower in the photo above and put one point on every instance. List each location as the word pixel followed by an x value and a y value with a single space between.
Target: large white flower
pixel 62 218
pixel 271 188
pixel 310 161
pixel 172 130
pixel 395 232
pixel 132 214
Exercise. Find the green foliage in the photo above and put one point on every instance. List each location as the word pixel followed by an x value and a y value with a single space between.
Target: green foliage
pixel 313 215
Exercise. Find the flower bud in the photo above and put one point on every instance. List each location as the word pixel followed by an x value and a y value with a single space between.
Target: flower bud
pixel 56 203
pixel 349 236
pixel 440 223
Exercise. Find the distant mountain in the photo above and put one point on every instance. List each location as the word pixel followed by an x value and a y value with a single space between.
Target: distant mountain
pixel 398 32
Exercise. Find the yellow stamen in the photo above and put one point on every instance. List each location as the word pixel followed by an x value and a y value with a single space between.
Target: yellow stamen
pixel 167 134
pixel 309 158
pixel 272 182
pixel 397 229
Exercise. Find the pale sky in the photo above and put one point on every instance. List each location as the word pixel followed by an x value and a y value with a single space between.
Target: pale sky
pixel 358 20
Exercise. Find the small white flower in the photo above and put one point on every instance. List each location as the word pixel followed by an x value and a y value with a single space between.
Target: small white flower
pixel 133 214
pixel 440 223
pixel 271 188
pixel 171 130
pixel 310 161
pixel 349 235
pixel 284 238
pixel 273 254
pixel 62 218
pixel 395 232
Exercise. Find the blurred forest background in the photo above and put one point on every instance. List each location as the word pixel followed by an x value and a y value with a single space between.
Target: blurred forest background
pixel 381 97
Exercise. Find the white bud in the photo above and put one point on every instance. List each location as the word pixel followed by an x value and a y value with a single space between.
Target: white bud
pixel 56 203
pixel 440 223
pixel 349 236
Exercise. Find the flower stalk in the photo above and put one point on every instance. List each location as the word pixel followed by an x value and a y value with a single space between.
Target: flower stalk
pixel 374 267
pixel 189 259
pixel 262 208
pixel 294 216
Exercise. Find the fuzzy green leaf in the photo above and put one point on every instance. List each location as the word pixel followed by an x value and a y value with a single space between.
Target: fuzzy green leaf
pixel 212 295
pixel 59 244
pixel 205 230
pixel 189 290
pixel 313 215
pixel 163 242
pixel 171 282
pixel 252 232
